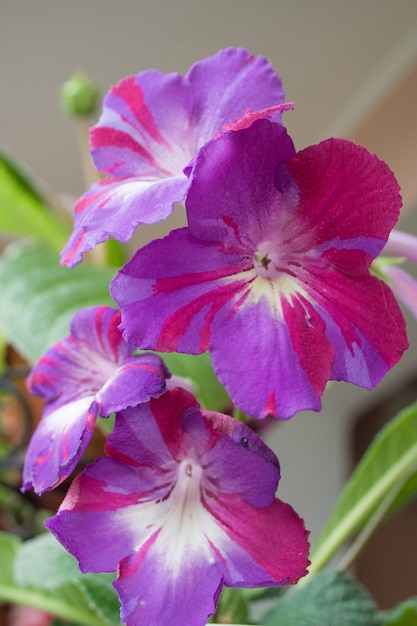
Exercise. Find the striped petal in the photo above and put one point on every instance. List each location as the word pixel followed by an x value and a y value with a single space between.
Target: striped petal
pixel 201 516
pixel 92 371
pixel 272 273
pixel 151 128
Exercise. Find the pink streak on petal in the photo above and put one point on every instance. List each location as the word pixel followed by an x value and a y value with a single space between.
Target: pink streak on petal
pixel 68 258
pixel 167 411
pixel 307 331
pixel 132 94
pixel 170 284
pixel 125 570
pixel 106 136
pixel 271 405
pixel 177 324
pixel 251 116
pixel 273 536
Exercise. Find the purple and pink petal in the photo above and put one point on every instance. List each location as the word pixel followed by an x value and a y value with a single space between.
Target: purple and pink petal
pixel 152 127
pixel 184 517
pixel 92 371
pixel 272 273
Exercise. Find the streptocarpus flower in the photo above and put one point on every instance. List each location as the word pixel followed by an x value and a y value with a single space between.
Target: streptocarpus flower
pixel 92 371
pixel 272 273
pixel 404 285
pixel 184 503
pixel 152 126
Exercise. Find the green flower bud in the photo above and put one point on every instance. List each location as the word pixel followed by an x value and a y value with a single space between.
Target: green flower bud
pixel 79 96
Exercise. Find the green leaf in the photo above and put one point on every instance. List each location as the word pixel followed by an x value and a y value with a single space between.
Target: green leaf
pixel 54 566
pixel 23 211
pixel 39 297
pixel 405 614
pixel 232 607
pixel 46 571
pixel 389 463
pixel 330 598
pixel 210 393
pixel 9 545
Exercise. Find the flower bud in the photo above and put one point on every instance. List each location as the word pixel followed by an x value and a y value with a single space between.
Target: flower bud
pixel 79 96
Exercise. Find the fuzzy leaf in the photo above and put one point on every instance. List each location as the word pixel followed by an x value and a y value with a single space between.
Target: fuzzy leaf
pixel 330 598
pixel 57 575
pixel 39 297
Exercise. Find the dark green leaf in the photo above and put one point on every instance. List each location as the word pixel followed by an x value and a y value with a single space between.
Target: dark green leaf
pixel 39 297
pixel 329 599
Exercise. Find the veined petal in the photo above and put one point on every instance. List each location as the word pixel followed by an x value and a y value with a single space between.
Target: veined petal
pixel 252 162
pixel 277 346
pixel 57 443
pixel 403 285
pixel 122 205
pixel 362 321
pixel 179 506
pixel 275 265
pixel 151 128
pixel 401 244
pixel 181 283
pixel 91 371
pixel 268 542
pixel 349 198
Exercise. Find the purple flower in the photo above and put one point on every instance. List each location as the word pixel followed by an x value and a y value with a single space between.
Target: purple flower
pixel 151 128
pixel 92 371
pixel 184 503
pixel 272 273
pixel 404 246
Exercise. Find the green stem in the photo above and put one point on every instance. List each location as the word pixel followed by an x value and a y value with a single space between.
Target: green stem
pixel 50 605
pixel 360 541
pixel 361 510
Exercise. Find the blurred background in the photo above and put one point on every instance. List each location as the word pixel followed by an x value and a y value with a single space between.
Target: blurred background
pixel 351 68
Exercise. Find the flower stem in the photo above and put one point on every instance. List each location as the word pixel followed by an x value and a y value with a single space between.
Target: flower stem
pixel 379 514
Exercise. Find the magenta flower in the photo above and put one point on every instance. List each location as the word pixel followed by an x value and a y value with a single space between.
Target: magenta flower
pixel 272 273
pixel 403 284
pixel 151 128
pixel 187 497
pixel 92 371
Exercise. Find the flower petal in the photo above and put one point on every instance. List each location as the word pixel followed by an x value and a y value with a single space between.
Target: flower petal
pixel 116 207
pixel 270 543
pixel 152 126
pixel 91 371
pixel 57 443
pixel 401 244
pixel 348 197
pixel 403 285
pixel 184 514
pixel 179 283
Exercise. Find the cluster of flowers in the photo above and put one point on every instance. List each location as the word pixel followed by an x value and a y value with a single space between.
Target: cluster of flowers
pixel 271 275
